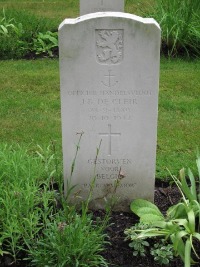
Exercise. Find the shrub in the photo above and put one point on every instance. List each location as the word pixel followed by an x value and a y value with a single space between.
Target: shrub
pixel 45 44
pixel 18 43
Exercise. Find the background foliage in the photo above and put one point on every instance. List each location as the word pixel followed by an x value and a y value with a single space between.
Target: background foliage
pixel 179 20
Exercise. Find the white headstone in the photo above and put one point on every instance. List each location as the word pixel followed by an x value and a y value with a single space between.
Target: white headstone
pixel 91 6
pixel 109 70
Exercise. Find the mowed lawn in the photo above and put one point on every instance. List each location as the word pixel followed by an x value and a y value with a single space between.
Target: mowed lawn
pixel 30 108
pixel 60 9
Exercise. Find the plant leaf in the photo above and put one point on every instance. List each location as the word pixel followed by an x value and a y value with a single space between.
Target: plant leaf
pixel 146 210
pixel 177 211
pixel 180 249
pixel 4 30
pixel 178 238
pixel 187 260
pixel 152 232
pixel 53 40
pixel 184 186
pixel 191 221
pixel 193 184
pixel 198 165
pixel 150 218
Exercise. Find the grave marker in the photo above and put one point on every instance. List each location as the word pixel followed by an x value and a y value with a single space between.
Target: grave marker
pixel 109 73
pixel 91 6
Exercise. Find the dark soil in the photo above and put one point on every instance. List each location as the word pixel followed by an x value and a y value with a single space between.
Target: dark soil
pixel 118 253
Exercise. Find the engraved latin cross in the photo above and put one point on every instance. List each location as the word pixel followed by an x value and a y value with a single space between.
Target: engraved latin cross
pixel 110 135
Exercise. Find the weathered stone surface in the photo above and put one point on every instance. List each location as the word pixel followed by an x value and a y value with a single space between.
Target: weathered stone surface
pixel 109 73
pixel 91 6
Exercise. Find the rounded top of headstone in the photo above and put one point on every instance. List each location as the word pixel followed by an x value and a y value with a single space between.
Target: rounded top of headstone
pixel 122 15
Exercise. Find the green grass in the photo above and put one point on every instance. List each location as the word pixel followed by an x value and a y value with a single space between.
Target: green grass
pixel 30 97
pixel 179 21
pixel 179 111
pixel 54 10
pixel 30 108
pixel 37 223
pixel 138 7
pixel 61 9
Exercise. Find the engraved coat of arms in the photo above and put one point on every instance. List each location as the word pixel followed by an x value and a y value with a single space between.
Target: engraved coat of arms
pixel 109 46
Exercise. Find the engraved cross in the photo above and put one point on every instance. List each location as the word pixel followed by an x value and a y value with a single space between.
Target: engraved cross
pixel 110 135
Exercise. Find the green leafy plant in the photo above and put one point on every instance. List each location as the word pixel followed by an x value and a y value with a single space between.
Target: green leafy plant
pixel 45 43
pixel 181 225
pixel 162 253
pixel 26 206
pixel 179 21
pixel 139 245
pixel 18 28
pixel 190 196
pixel 11 33
pixel 37 223
pixel 71 240
pixel 74 243
pixel 9 26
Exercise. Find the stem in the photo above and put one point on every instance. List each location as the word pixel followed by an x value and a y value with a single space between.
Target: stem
pixel 93 180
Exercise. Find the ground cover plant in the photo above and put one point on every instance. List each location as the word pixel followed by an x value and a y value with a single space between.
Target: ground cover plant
pixel 38 226
pixel 180 227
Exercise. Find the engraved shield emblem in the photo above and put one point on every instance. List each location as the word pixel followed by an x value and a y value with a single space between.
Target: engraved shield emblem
pixel 109 46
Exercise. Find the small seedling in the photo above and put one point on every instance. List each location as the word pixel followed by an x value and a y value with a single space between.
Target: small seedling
pixel 162 253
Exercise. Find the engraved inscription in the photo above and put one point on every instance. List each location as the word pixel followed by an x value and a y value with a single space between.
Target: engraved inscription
pixel 108 101
pixel 110 161
pixel 109 46
pixel 109 135
pixel 122 185
pixel 108 169
pixel 109 92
